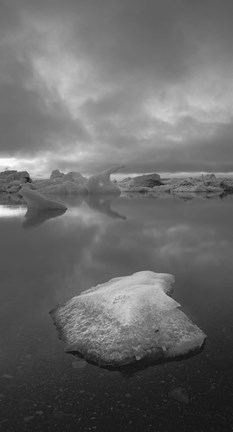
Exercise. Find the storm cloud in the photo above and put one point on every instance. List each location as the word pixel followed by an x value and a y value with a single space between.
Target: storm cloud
pixel 87 84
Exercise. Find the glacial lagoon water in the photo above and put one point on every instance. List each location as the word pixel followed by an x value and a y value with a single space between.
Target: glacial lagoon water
pixel 48 258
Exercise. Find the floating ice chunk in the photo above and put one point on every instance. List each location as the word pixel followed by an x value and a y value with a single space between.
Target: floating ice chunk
pixel 35 200
pixel 101 183
pixel 64 188
pixel 127 319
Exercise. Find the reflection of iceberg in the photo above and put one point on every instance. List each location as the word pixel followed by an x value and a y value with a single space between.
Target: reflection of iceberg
pixel 36 217
pixel 185 196
pixel 128 320
pixel 102 203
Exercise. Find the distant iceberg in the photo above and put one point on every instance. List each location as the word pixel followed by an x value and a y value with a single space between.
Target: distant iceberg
pixel 101 183
pixel 127 320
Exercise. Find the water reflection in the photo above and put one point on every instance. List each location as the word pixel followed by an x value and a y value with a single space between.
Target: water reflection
pixel 36 217
pixel 7 211
pixel 45 266
pixel 102 203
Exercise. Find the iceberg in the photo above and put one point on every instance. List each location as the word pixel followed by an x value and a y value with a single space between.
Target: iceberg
pixel 127 320
pixel 73 183
pixel 64 188
pixel 101 183
pixel 37 201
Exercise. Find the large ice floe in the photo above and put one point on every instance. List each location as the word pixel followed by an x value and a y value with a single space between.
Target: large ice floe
pixel 127 320
pixel 37 201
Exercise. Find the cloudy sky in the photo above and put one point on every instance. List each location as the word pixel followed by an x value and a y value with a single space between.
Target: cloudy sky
pixel 85 84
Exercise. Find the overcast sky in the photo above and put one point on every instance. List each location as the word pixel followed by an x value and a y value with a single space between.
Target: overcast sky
pixel 85 84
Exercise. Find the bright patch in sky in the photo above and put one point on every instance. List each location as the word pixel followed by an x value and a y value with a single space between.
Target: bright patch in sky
pixel 86 85
pixel 35 166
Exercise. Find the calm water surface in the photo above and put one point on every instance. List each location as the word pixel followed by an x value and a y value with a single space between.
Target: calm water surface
pixel 47 259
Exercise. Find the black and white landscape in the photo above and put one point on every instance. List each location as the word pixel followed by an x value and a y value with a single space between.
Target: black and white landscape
pixel 116 209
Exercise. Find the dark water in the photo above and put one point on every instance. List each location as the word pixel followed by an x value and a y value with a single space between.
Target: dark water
pixel 47 259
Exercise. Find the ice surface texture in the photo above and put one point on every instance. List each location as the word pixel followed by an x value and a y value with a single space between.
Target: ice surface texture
pixel 127 319
pixel 101 183
pixel 35 200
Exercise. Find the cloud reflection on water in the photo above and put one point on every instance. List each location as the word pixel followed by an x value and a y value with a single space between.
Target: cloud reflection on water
pixel 35 217
pixel 11 211
pixel 50 264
